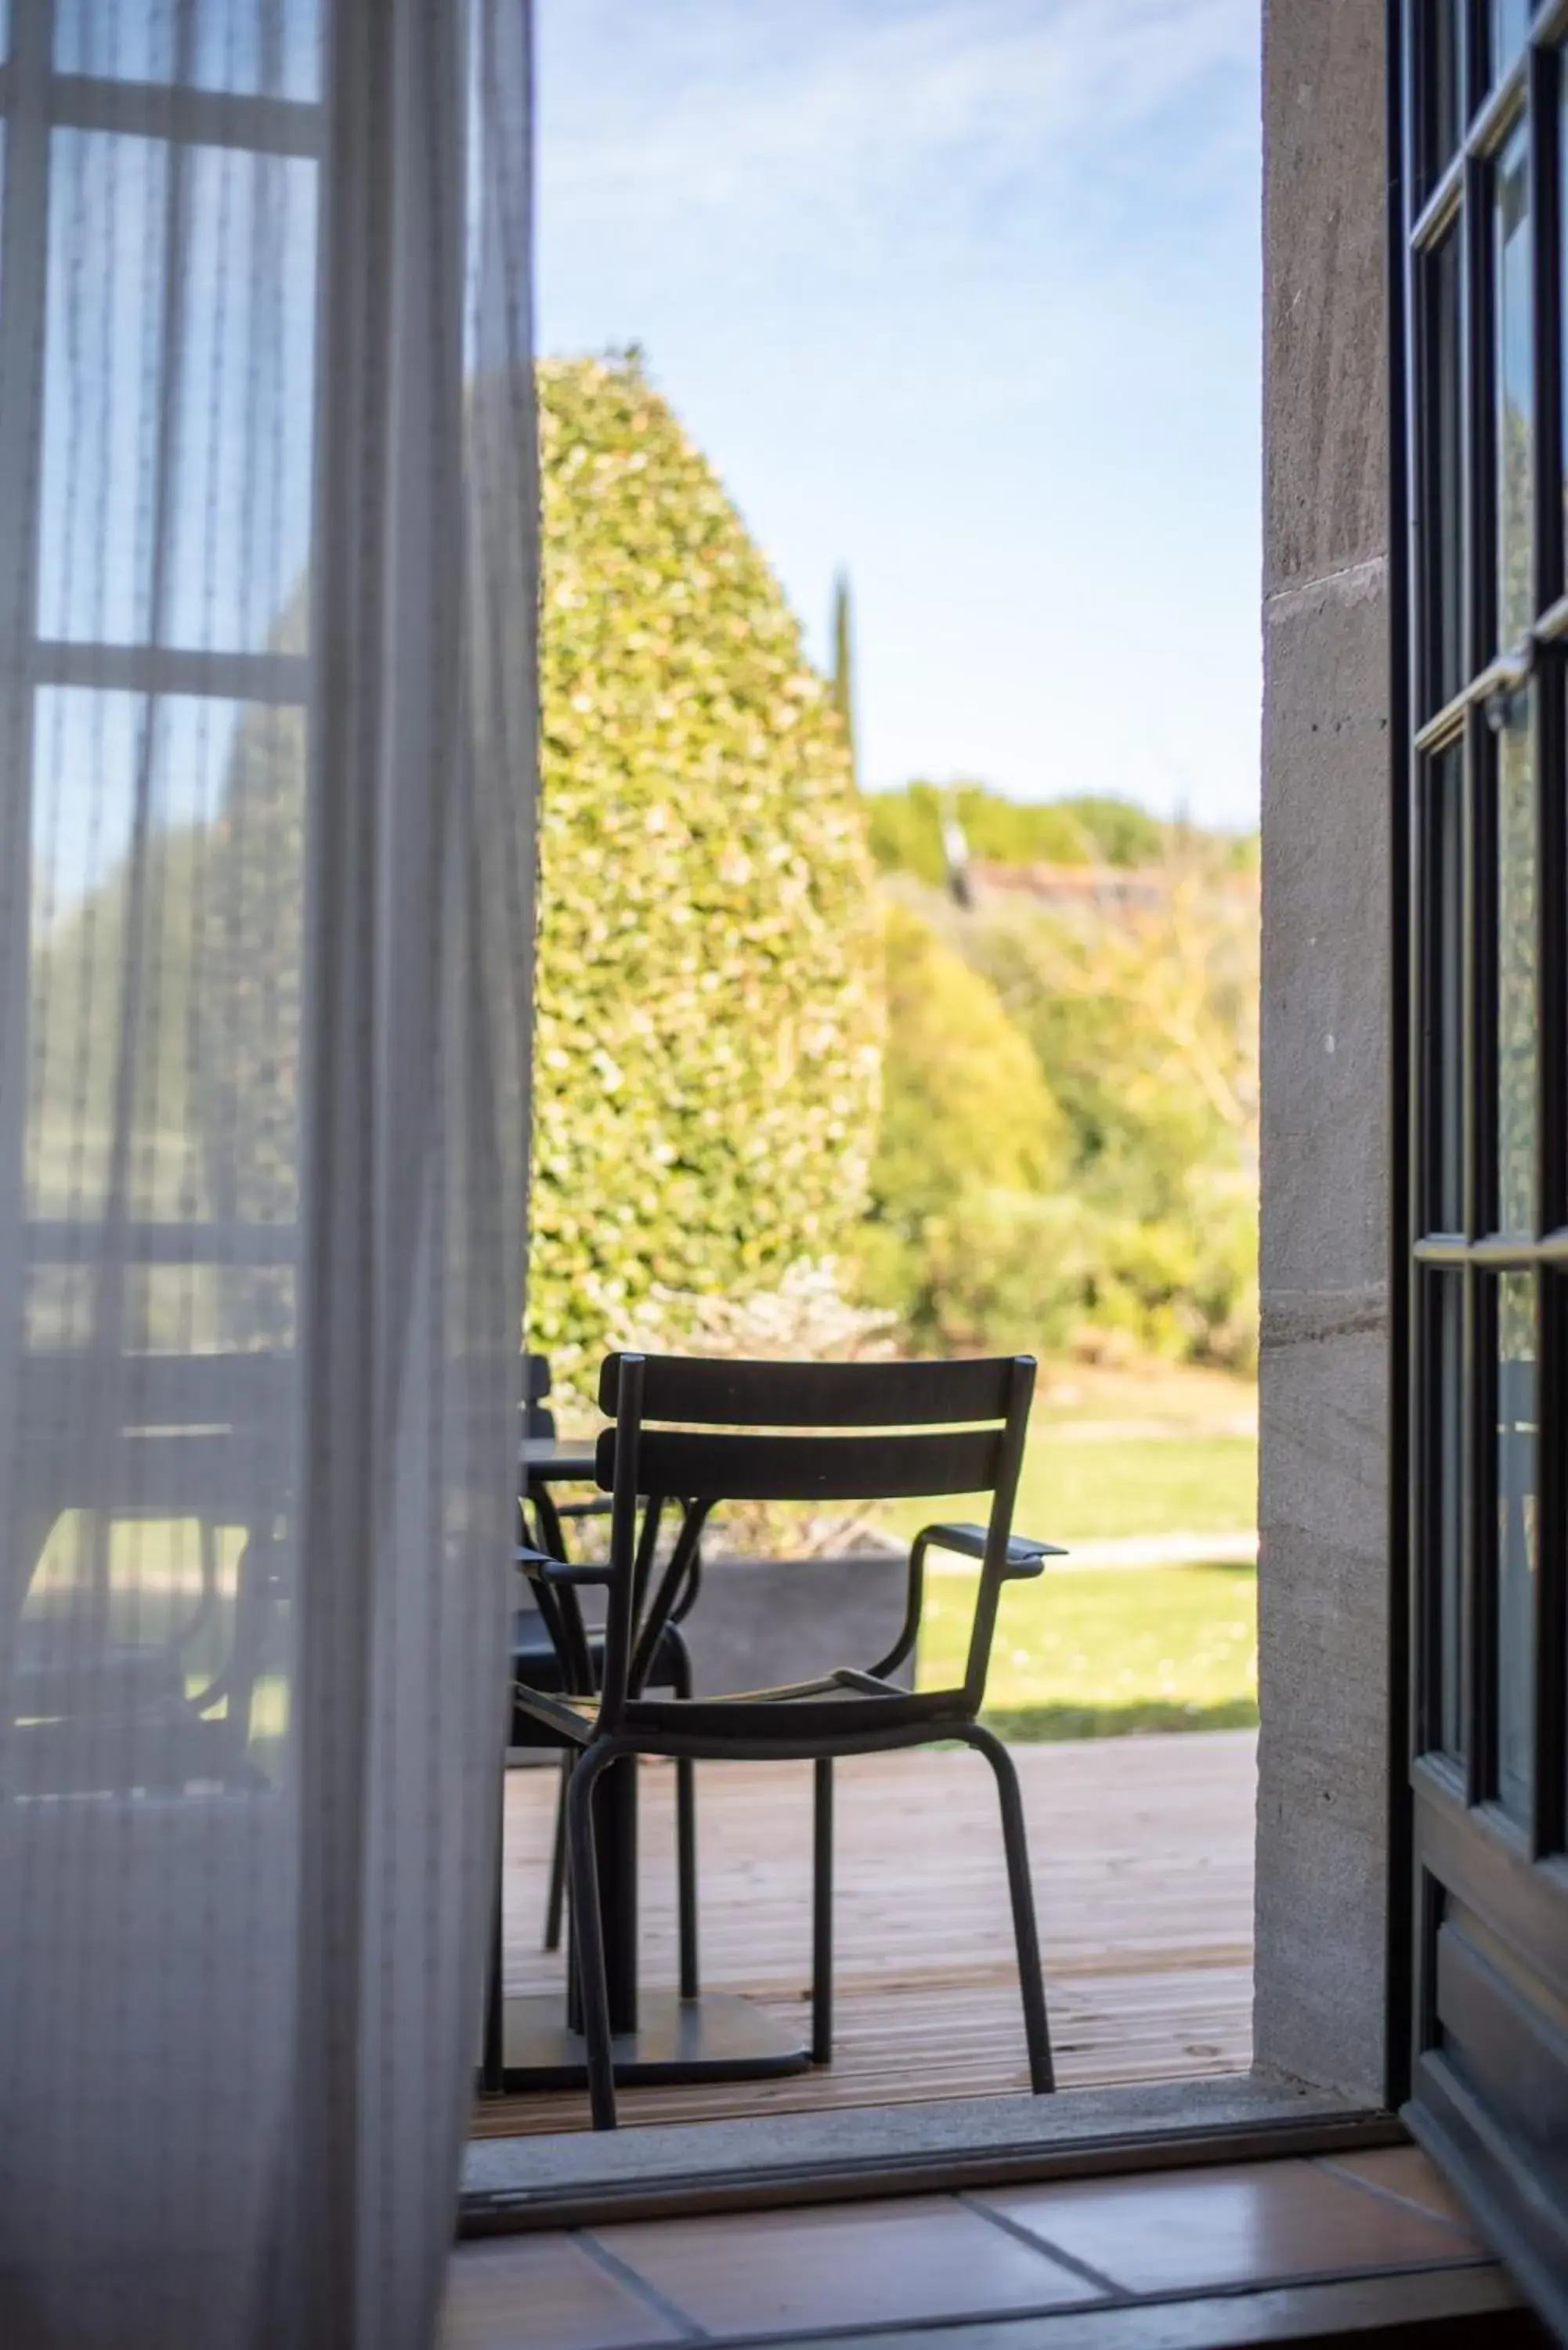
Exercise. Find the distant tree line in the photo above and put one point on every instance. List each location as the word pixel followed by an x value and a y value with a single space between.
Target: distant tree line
pixel 1069 1139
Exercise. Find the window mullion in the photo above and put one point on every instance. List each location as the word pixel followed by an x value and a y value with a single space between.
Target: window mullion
pixel 23 280
pixel 193 117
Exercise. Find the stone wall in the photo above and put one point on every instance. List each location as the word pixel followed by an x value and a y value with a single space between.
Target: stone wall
pixel 1323 1588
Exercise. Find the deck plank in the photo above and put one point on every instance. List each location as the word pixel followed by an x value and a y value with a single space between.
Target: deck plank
pixel 1142 1852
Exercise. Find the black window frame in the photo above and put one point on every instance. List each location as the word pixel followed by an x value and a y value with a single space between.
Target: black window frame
pixel 36 99
pixel 1472 1257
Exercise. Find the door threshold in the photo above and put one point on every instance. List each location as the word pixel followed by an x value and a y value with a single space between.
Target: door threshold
pixel 577 2178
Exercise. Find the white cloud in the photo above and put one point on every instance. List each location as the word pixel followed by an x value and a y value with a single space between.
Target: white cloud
pixel 963 294
pixel 711 107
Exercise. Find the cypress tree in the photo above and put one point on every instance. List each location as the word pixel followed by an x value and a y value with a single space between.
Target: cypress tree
pixel 842 676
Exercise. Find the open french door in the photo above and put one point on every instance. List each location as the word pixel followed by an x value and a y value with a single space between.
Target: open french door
pixel 1479 110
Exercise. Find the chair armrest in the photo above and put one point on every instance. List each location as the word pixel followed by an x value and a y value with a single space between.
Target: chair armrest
pixel 1025 1557
pixel 539 1567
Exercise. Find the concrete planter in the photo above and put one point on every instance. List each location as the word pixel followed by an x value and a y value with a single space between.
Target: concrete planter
pixel 760 1622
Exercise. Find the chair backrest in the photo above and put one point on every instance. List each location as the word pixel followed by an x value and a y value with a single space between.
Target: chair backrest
pixel 877 1432
pixel 538 1419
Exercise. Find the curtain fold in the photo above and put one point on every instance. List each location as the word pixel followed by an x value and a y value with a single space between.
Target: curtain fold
pixel 268 772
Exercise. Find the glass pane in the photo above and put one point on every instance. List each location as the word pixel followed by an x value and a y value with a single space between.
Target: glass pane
pixel 1518 1536
pixel 1516 970
pixel 1563 214
pixel 1443 960
pixel 1442 1484
pixel 1510 31
pixel 1515 422
pixel 1437 31
pixel 218 539
pixel 267 46
pixel 168 840
pixel 1442 517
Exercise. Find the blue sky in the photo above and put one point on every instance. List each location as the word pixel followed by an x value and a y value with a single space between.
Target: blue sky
pixel 963 294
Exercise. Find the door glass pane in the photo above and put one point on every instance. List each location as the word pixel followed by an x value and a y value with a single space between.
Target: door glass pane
pixel 1443 482
pixel 163 517
pixel 244 46
pixel 1510 30
pixel 1563 214
pixel 1518 1536
pixel 1516 970
pixel 1437 31
pixel 1444 1184
pixel 1442 1489
pixel 1515 422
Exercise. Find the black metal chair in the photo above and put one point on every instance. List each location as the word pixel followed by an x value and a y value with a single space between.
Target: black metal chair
pixel 554 1650
pixel 970 1420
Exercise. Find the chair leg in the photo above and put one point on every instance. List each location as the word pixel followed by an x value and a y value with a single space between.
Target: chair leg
pixel 821 1915
pixel 686 1872
pixel 557 1902
pixel 493 2074
pixel 1014 1836
pixel 587 1927
pixel 685 1831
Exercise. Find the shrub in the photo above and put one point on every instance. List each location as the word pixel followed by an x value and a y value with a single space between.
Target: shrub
pixel 807 1316
pixel 709 970
pixel 1146 1029
pixel 1004 1272
pixel 967 1117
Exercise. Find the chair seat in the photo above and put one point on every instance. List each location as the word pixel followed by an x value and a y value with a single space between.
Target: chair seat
pixel 844 1708
pixel 848 1708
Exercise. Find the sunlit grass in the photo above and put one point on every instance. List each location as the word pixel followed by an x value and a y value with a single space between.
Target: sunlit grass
pixel 1091 1488
pixel 1082 1653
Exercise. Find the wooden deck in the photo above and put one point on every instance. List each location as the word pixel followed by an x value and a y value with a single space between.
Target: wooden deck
pixel 1142 1850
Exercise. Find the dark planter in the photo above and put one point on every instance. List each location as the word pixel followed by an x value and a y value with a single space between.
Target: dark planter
pixel 761 1622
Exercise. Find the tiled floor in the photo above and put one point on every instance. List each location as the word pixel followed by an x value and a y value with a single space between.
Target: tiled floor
pixel 1082 2244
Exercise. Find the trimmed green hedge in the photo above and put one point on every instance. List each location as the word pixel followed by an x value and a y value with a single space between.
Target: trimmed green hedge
pixel 710 989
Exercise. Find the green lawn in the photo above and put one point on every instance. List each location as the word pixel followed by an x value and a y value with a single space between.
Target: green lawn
pixel 1085 1489
pixel 1088 1653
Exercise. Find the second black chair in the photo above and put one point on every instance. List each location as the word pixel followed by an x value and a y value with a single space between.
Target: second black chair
pixel 553 1649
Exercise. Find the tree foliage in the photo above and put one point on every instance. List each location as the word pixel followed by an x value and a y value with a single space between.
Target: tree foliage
pixel 971 1138
pixel 1110 1190
pixel 843 678
pixel 906 830
pixel 1146 1024
pixel 709 967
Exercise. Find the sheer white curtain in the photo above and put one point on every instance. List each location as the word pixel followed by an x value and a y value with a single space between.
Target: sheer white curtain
pixel 266 776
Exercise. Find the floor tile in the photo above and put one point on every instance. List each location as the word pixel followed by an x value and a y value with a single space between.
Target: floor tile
pixel 865 2264
pixel 1181 2231
pixel 1404 2172
pixel 542 2292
